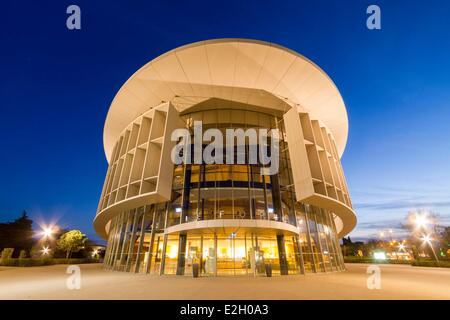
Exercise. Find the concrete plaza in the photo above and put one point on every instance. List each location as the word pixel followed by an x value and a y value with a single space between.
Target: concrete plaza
pixel 397 282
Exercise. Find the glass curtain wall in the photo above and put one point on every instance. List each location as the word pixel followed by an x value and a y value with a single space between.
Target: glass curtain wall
pixel 137 242
pixel 225 191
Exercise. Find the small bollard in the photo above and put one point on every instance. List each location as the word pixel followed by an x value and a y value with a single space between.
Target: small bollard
pixel 195 268
pixel 268 270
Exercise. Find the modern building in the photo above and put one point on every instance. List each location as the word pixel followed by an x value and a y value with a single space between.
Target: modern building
pixel 226 219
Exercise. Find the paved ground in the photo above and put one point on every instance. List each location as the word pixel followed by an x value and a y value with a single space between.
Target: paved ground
pixel 397 282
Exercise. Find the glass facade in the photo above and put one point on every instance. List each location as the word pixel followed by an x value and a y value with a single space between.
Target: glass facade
pixel 139 242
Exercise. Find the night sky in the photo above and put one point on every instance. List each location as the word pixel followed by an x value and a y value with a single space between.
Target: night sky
pixel 56 86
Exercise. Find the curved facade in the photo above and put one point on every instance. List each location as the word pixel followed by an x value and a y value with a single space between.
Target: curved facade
pixel 226 218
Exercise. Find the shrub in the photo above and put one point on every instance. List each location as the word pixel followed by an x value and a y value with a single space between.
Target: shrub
pixel 7 253
pixel 417 263
pixel 352 259
pixel 32 262
pixel 74 261
pixel 400 261
pixel 26 262
pixel 23 254
pixel 429 263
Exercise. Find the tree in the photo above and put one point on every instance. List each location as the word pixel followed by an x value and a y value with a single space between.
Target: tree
pixel 350 248
pixel 17 234
pixel 72 241
pixel 23 254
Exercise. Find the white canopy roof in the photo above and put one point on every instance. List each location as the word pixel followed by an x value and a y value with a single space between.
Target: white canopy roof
pixel 240 70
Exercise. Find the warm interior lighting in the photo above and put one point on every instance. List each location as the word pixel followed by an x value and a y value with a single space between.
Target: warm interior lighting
pixel 239 252
pixel 173 251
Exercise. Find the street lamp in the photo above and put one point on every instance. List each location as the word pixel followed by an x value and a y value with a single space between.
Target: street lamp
pixel 47 234
pixel 48 231
pixel 421 220
pixel 427 239
pixel 45 250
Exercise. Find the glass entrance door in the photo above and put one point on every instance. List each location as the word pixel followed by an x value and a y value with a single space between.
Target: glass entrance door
pixel 233 255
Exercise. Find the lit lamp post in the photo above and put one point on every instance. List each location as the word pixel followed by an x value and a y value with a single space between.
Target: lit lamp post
pixel 427 239
pixel 47 233
pixel 45 251
pixel 401 248
pixel 421 222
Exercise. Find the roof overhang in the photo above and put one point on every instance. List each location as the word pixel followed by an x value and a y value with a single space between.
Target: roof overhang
pixel 239 70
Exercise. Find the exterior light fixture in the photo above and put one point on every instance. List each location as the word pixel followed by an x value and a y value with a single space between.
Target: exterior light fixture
pixel 421 220
pixel 426 239
pixel 48 231
pixel 379 255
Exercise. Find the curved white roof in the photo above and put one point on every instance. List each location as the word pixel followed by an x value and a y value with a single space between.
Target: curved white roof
pixel 229 69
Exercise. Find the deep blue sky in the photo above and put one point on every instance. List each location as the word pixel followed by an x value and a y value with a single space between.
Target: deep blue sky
pixel 56 86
